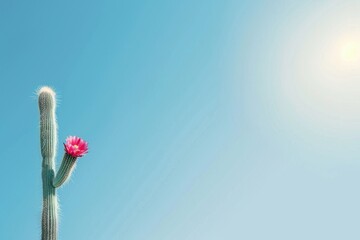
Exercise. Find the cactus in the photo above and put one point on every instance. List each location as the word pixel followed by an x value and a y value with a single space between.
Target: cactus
pixel 74 148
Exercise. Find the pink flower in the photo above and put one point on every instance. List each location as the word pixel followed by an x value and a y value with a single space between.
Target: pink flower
pixel 75 146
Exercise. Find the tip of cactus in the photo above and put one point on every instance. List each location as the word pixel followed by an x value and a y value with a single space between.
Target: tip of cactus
pixel 47 98
pixel 46 89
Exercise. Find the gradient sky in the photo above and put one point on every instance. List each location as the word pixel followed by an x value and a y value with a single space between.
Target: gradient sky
pixel 214 120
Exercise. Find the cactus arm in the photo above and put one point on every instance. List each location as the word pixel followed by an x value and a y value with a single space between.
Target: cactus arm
pixel 66 168
pixel 48 141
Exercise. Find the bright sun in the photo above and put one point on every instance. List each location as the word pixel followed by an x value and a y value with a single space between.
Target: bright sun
pixel 350 51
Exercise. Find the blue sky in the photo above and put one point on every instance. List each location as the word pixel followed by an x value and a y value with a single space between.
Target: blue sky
pixel 205 119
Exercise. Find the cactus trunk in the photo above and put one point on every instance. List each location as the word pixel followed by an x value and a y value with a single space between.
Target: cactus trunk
pixel 48 140
pixel 49 220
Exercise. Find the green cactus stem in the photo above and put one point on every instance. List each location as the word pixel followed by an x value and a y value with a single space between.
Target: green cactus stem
pixel 48 143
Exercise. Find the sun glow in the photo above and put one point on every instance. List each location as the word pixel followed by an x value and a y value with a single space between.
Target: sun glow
pixel 350 52
pixel 320 77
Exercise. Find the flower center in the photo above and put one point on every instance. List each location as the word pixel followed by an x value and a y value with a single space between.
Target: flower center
pixel 76 147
